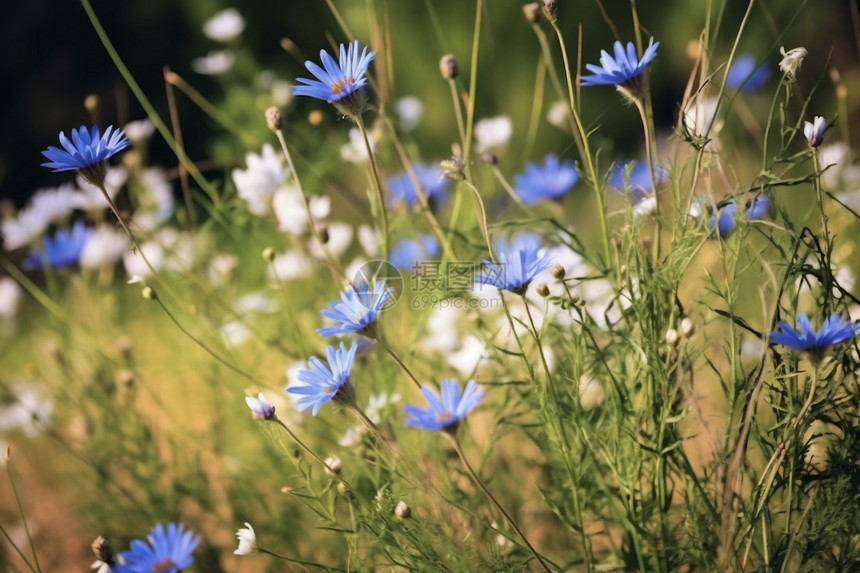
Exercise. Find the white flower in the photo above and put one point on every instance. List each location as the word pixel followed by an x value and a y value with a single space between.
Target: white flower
pixel 221 268
pixel 224 26
pixel 442 329
pixel 466 360
pixel 558 114
pixel 25 229
pixel 699 116
pixel 235 333
pixel 260 407
pixel 101 566
pixel 257 184
pixel 91 197
pixel 289 208
pixel 255 302
pixel 55 204
pixel 355 151
pixel 247 541
pixel 493 132
pixel 28 412
pixel 214 63
pixel 645 207
pixel 368 238
pixel 339 240
pixel 814 132
pixel 135 265
pixel 791 61
pixel 10 297
pixel 409 110
pixel 154 200
pixel 290 265
pixel 139 131
pixel 106 246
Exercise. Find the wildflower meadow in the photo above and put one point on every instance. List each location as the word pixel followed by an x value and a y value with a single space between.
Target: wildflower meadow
pixel 441 286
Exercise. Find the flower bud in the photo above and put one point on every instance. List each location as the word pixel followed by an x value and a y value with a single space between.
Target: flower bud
pixel 550 7
pixel 333 465
pixel 402 511
pixel 532 12
pixel 103 550
pixel 687 327
pixel 814 132
pixel 269 254
pixel 448 67
pixel 490 158
pixel 453 168
pixel 672 337
pixel 558 271
pixel 274 119
pixel 148 293
pixel 542 289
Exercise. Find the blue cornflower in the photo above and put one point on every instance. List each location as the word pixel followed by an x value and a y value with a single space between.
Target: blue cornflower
pixel 357 310
pixel 444 414
pixel 260 407
pixel 744 75
pixel 623 69
pixel 548 181
pixel 62 250
pixel 87 152
pixel 833 331
pixel 169 551
pixel 408 253
pixel 633 177
pixel 518 264
pixel 340 83
pixel 725 220
pixel 430 178
pixel 322 384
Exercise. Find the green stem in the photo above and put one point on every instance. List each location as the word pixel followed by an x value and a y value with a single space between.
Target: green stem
pixel 310 452
pixel 482 217
pixel 22 514
pixel 473 86
pixel 481 485
pixel 377 183
pixel 399 362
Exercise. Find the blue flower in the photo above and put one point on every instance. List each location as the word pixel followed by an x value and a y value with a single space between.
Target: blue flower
pixel 621 70
pixel 744 75
pixel 87 152
pixel 430 178
pixel 724 221
pixel 518 264
pixel 408 253
pixel 634 178
pixel 446 413
pixel 833 331
pixel 340 83
pixel 322 384
pixel 169 551
pixel 357 310
pixel 61 250
pixel 260 407
pixel 550 181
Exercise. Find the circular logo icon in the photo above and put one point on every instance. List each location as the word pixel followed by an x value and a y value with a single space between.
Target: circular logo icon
pixel 373 272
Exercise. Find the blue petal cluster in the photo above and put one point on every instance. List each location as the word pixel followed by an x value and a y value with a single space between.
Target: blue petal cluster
pixel 408 253
pixel 169 551
pixel 62 250
pixel 337 81
pixel 622 69
pixel 86 149
pixel 444 413
pixel 805 339
pixel 357 310
pixel 322 383
pixel 518 264
pixel 725 220
pixel 633 177
pixel 743 74
pixel 430 178
pixel 548 181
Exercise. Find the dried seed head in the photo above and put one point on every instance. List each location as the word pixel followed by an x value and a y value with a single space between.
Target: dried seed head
pixel 102 550
pixel 550 7
pixel 558 271
pixel 532 12
pixel 402 511
pixel 448 67
pixel 542 289
pixel 274 119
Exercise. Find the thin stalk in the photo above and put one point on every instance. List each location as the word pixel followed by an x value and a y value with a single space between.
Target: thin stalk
pixel 498 505
pixel 473 85
pixel 816 183
pixel 16 548
pixel 336 271
pixel 310 452
pixel 399 362
pixel 377 181
pixel 510 191
pixel 291 560
pixel 538 342
pixel 173 113
pixel 199 342
pixel 482 217
pixel 23 516
pixel 646 127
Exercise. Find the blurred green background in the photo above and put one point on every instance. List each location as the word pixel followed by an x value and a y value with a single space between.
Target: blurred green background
pixel 52 59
